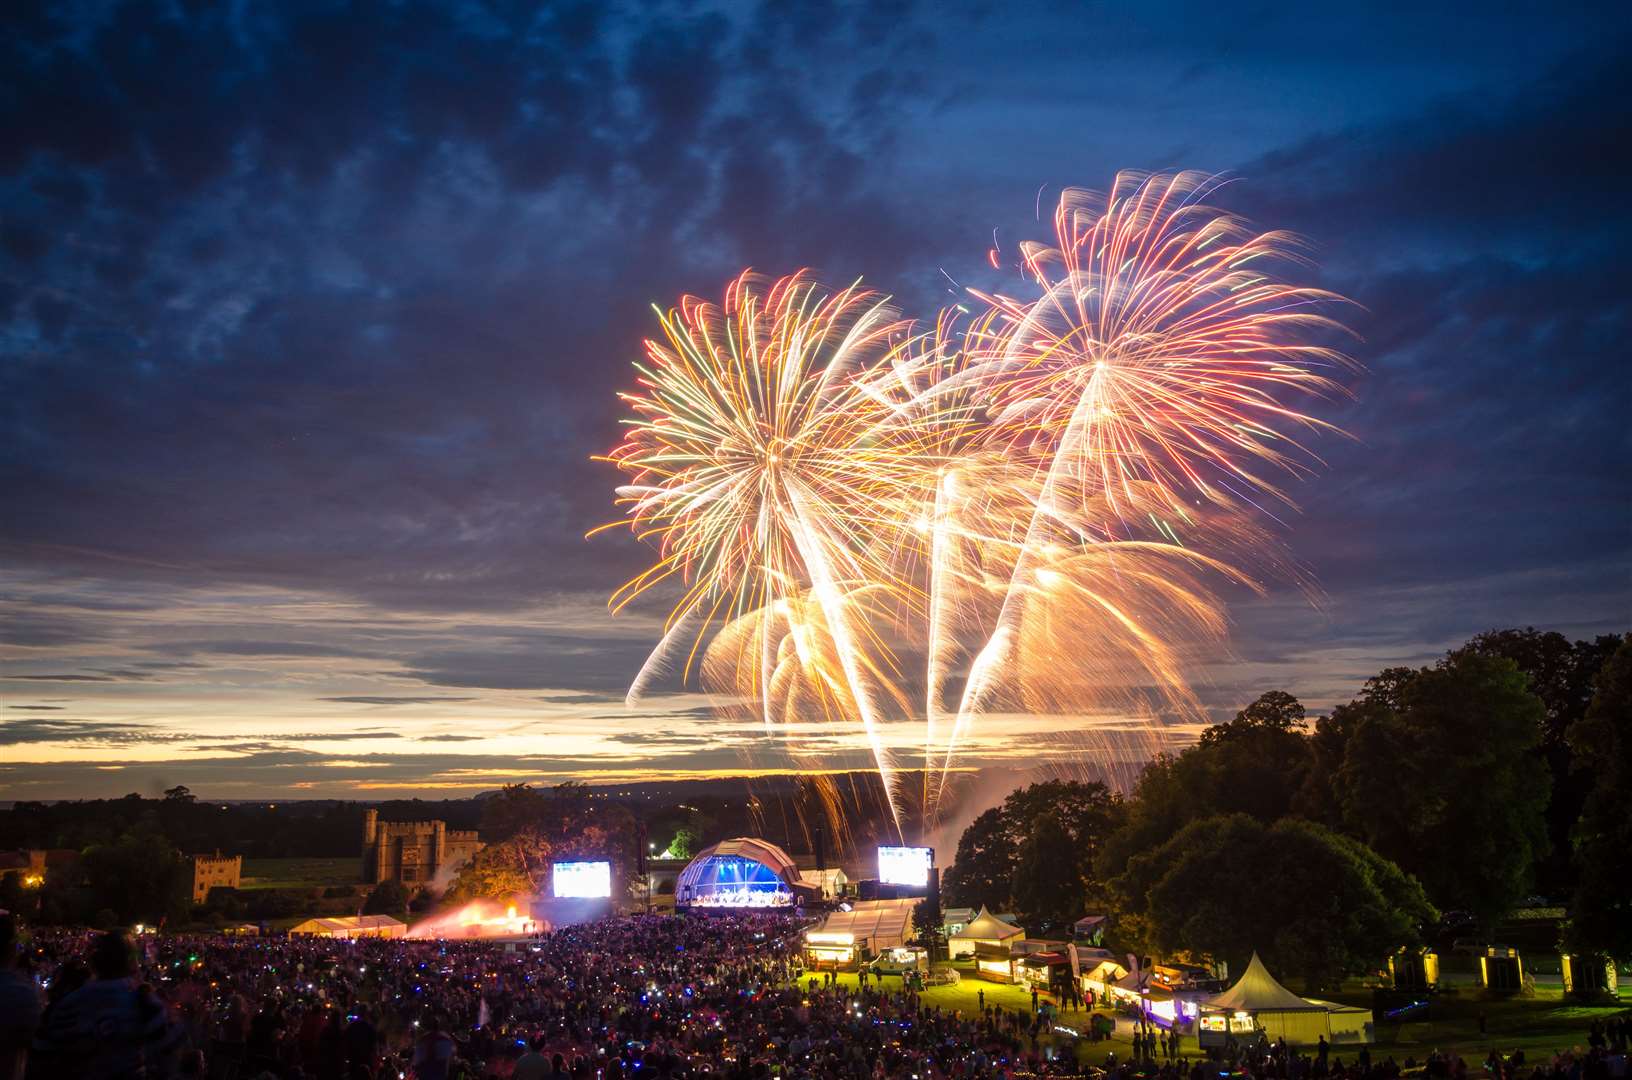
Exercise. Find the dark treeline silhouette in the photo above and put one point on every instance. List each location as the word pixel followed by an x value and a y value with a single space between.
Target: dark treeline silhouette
pixel 1492 779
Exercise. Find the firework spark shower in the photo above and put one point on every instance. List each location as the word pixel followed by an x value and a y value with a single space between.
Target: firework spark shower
pixel 1033 508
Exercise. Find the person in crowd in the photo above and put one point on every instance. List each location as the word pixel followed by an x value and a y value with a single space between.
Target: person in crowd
pixel 110 1027
pixel 533 1065
pixel 620 999
pixel 20 1005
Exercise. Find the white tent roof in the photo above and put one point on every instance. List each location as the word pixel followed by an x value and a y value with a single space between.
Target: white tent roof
pixel 822 877
pixel 348 924
pixel 1257 991
pixel 884 923
pixel 988 927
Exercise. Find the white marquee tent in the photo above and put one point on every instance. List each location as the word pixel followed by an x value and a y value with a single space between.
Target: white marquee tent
pixel 983 929
pixel 1258 1003
pixel 352 926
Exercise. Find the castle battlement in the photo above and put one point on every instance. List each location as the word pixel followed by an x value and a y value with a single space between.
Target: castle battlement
pixel 413 852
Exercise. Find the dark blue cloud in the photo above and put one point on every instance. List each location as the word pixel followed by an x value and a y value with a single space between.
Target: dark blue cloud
pixel 336 297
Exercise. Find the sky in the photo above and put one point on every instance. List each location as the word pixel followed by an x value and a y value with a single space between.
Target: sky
pixel 313 315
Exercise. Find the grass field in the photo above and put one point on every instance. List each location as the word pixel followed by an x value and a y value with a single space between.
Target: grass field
pixel 1540 1026
pixel 965 997
pixel 299 873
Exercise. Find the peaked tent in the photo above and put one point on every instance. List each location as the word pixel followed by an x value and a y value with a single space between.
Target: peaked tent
pixel 983 929
pixel 1256 990
pixel 1257 1003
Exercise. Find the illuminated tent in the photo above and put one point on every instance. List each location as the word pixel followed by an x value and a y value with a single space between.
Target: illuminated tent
pixel 352 926
pixel 827 884
pixel 1258 1003
pixel 744 872
pixel 871 926
pixel 983 929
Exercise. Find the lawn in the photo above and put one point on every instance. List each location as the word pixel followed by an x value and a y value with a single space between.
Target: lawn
pixel 300 873
pixel 964 997
pixel 1540 1025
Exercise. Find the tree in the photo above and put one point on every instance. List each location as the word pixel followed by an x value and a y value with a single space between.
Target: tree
pixel 986 869
pixel 389 897
pixel 1048 884
pixel 519 865
pixel 1335 908
pixel 683 845
pixel 1088 812
pixel 140 877
pixel 180 794
pixel 981 874
pixel 930 923
pixel 1446 785
pixel 1563 674
pixel 1319 799
pixel 1386 689
pixel 514 808
pixel 1258 770
pixel 1275 710
pixel 1601 907
pixel 526 830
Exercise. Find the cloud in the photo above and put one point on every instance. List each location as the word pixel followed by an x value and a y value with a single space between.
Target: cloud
pixel 366 699
pixel 312 323
pixel 56 730
pixel 261 648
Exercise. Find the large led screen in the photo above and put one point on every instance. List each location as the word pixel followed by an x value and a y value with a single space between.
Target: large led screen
pixel 581 880
pixel 904 865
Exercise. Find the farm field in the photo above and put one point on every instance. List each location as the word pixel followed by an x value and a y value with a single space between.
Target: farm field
pixel 299 873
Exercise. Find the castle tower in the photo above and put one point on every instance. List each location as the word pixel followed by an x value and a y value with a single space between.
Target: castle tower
pixel 372 848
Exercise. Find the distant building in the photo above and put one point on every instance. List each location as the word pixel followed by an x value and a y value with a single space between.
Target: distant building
pixel 211 871
pixel 413 852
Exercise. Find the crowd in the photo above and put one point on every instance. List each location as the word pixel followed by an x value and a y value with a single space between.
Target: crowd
pixel 619 999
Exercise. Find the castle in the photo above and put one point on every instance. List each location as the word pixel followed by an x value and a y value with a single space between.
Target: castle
pixel 210 871
pixel 413 852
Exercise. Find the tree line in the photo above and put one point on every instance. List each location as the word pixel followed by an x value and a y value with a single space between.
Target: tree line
pixel 1460 790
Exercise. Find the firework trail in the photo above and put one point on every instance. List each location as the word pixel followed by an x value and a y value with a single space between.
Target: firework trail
pixel 1041 503
pixel 1150 378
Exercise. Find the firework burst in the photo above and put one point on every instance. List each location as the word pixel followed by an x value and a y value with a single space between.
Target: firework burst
pixel 1040 503
pixel 770 470
pixel 1150 381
